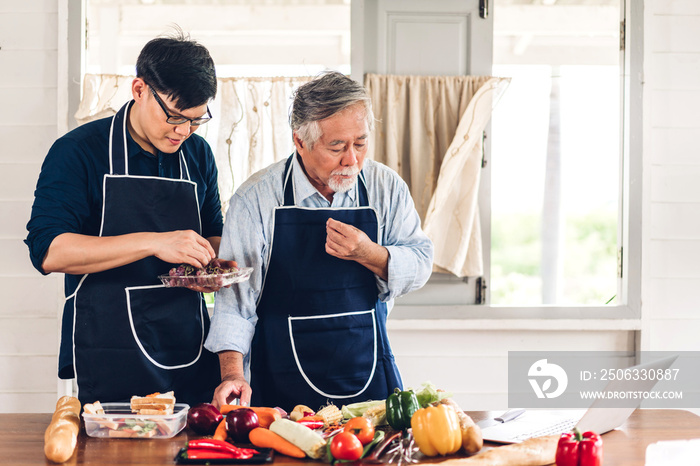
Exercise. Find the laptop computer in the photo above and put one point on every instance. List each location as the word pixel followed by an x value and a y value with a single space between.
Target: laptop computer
pixel 536 423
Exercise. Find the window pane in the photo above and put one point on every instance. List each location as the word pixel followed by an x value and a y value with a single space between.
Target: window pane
pixel 244 37
pixel 555 152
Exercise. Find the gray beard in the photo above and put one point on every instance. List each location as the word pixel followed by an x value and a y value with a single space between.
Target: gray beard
pixel 342 186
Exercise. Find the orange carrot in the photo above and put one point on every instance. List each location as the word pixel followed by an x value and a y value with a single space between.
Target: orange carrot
pixel 265 438
pixel 221 433
pixel 266 416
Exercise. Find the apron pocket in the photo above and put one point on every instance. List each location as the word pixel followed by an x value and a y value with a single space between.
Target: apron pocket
pixel 336 354
pixel 169 334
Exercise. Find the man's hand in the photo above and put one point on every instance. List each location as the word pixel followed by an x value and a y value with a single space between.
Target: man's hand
pixel 230 389
pixel 350 243
pixel 233 384
pixel 346 242
pixel 184 247
pixel 212 289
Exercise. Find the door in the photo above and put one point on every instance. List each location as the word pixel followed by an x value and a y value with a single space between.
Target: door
pixel 421 37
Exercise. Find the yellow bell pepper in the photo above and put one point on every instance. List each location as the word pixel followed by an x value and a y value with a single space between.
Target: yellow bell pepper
pixel 436 430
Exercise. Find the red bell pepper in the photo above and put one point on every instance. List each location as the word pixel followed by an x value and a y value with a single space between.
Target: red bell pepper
pixel 576 449
pixel 222 447
pixel 312 422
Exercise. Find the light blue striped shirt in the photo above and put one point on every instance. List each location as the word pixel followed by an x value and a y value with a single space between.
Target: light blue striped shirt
pixel 248 234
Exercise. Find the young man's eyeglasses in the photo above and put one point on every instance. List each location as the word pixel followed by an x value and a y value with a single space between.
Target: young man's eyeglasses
pixel 179 119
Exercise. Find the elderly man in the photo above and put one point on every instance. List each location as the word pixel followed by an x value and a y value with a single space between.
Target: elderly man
pixel 333 239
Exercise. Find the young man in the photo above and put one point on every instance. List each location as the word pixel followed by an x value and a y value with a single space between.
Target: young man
pixel 119 201
pixel 333 238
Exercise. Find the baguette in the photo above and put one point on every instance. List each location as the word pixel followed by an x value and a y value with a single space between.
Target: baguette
pixel 61 436
pixel 538 451
pixel 472 439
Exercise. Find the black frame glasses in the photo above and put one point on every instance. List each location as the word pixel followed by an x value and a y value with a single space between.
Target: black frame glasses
pixel 179 120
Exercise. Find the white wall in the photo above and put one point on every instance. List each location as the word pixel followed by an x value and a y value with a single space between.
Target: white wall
pixel 469 360
pixel 671 229
pixel 28 126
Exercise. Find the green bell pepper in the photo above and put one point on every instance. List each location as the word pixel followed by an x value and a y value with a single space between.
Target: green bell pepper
pixel 400 407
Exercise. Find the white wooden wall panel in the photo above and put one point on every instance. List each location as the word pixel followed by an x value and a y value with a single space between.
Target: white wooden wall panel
pixel 31 106
pixel 29 335
pixel 671 245
pixel 30 304
pixel 14 209
pixel 675 334
pixel 18 181
pixel 34 295
pixel 26 30
pixel 27 401
pixel 13 64
pixel 674 146
pixel 678 297
pixel 19 377
pixel 28 6
pixel 466 343
pixel 675 259
pixel 14 260
pixel 26 143
pixel 676 71
pixel 675 220
pixel 674 32
pixel 673 7
pixel 474 364
pixel 675 183
pixel 675 108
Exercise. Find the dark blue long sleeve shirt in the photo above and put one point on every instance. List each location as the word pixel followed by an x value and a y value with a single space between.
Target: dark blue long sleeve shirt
pixel 68 196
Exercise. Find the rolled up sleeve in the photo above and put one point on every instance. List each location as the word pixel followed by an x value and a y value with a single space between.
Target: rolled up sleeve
pixel 61 199
pixel 234 319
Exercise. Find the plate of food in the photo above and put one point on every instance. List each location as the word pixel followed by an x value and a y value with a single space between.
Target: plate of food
pixel 211 276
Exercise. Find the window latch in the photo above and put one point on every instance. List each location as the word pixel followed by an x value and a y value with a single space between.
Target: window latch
pixel 484 8
pixel 481 290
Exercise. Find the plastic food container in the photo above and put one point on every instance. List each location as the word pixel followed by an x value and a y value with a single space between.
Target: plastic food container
pixel 221 279
pixel 119 422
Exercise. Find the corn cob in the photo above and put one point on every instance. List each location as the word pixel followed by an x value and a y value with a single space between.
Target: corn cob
pixel 330 414
pixel 376 414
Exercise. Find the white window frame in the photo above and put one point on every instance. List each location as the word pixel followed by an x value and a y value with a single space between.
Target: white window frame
pixel 626 316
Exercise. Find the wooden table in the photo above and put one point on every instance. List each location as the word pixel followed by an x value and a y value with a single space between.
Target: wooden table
pixel 22 441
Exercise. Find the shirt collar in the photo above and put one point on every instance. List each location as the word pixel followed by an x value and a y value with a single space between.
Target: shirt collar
pixel 304 189
pixel 133 148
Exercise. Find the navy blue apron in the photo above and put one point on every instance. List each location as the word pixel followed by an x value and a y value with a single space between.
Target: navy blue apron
pixel 321 332
pixel 131 335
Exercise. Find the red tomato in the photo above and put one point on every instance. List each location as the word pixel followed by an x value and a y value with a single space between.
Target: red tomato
pixel 362 428
pixel 345 446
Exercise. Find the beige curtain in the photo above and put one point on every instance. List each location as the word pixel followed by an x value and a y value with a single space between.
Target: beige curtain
pixel 429 130
pixel 103 96
pixel 250 129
